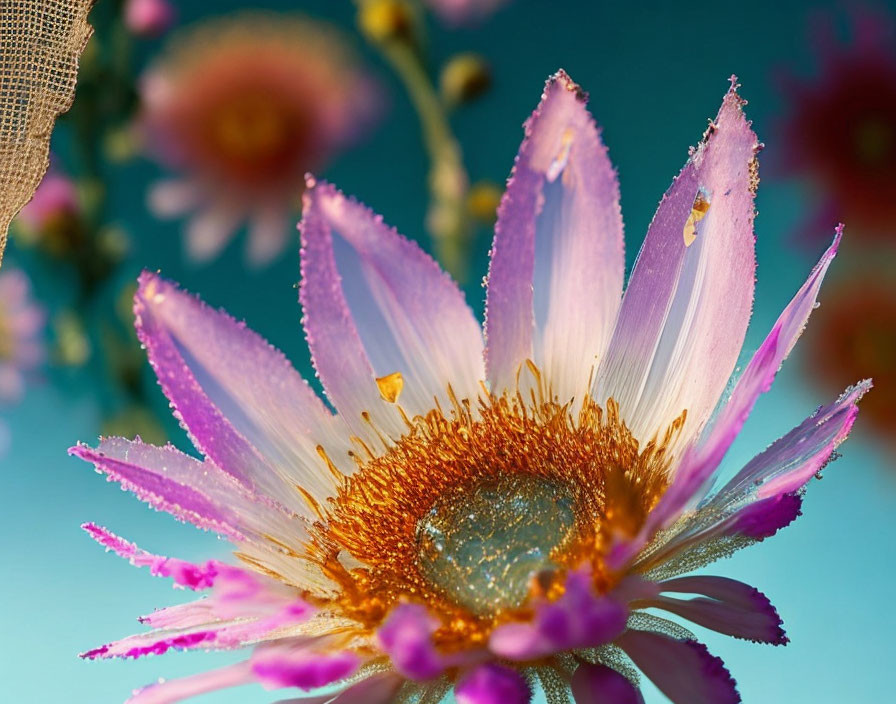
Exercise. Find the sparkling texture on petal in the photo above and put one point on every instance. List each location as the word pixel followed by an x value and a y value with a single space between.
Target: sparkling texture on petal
pixel 682 670
pixel 376 304
pixel 557 263
pixel 726 605
pixel 685 312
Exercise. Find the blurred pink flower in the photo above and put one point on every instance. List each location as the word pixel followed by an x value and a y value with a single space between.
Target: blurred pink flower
pixel 463 12
pixel 149 18
pixel 21 323
pixel 840 132
pixel 54 201
pixel 486 509
pixel 243 107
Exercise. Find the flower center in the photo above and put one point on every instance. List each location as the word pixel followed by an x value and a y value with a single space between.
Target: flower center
pixel 482 546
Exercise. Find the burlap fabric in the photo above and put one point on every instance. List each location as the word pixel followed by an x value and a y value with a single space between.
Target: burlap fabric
pixel 40 44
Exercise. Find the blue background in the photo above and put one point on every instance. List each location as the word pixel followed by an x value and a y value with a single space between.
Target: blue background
pixel 655 72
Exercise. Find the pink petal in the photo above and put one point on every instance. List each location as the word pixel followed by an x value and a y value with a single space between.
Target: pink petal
pixel 209 231
pixel 762 498
pixel 378 689
pixel 578 619
pixel 557 265
pixel 794 459
pixel 184 574
pixel 599 684
pixel 685 312
pixel 682 670
pixel 171 199
pixel 733 608
pixel 277 667
pixel 165 473
pixel 375 304
pixel 699 465
pixel 492 684
pixel 244 405
pixel 406 637
pixel 146 476
pixel 268 235
pixel 762 519
pixel 186 687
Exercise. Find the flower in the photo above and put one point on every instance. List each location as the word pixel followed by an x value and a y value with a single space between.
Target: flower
pixel 149 18
pixel 244 107
pixel 483 514
pixel 21 323
pixel 841 129
pixel 464 12
pixel 857 334
pixel 53 217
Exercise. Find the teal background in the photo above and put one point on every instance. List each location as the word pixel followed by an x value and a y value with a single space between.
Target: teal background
pixel 655 72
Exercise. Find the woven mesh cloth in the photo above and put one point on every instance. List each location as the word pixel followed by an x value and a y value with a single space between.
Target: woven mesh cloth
pixel 40 44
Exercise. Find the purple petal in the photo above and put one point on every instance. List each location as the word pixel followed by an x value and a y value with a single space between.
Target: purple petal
pixel 406 637
pixel 762 498
pixel 733 608
pixel 377 689
pixel 184 574
pixel 682 670
pixel 764 518
pixel 794 459
pixel 492 684
pixel 243 404
pixel 698 466
pixel 578 619
pixel 375 304
pixel 599 684
pixel 180 689
pixel 277 667
pixel 159 476
pixel 557 262
pixel 685 312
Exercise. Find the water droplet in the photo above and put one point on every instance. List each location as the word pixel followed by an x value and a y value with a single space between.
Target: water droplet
pixel 482 546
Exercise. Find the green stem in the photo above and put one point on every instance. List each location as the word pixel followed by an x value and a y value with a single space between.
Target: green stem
pixel 447 219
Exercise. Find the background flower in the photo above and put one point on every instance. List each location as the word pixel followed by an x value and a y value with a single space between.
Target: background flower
pixel 459 12
pixel 840 131
pixel 21 323
pixel 243 107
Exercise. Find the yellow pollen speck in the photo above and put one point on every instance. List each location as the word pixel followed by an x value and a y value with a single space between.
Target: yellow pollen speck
pixel 390 386
pixel 559 163
pixel 698 212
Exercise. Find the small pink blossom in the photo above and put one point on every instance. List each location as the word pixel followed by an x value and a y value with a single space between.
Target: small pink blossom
pixel 54 201
pixel 464 12
pixel 149 18
pixel 21 324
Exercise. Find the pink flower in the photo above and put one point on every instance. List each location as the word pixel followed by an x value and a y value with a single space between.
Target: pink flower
pixel 464 12
pixel 149 18
pixel 54 202
pixel 486 509
pixel 242 108
pixel 21 324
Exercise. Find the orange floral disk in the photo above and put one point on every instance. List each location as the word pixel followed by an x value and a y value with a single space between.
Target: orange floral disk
pixel 427 517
